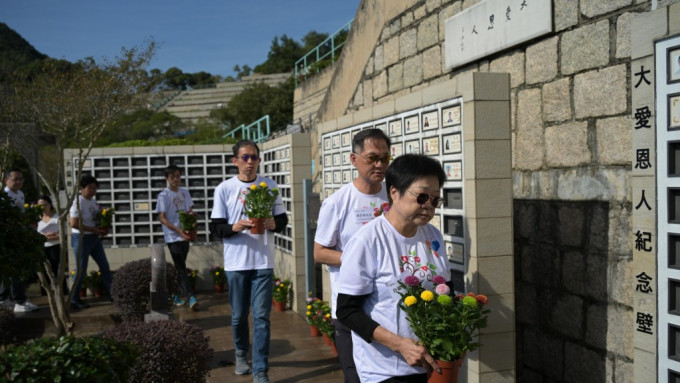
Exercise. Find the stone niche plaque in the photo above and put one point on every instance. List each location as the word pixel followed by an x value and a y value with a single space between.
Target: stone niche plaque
pixel 493 25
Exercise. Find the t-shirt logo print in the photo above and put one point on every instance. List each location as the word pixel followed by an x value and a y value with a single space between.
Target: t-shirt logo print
pixel 432 247
pixel 377 211
pixel 411 263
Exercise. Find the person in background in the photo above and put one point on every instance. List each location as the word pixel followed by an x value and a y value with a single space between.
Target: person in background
pixel 397 244
pixel 345 212
pixel 171 201
pixel 14 180
pixel 49 227
pixel 84 222
pixel 248 259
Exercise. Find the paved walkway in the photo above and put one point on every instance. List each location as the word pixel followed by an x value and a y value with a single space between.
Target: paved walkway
pixel 294 357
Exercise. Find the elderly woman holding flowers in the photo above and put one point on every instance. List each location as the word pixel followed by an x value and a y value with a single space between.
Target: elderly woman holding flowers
pixel 399 245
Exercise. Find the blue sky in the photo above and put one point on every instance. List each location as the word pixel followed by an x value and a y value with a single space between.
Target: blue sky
pixel 194 36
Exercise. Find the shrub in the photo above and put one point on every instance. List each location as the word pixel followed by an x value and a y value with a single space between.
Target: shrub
pixel 131 289
pixel 172 351
pixel 22 246
pixel 7 324
pixel 68 359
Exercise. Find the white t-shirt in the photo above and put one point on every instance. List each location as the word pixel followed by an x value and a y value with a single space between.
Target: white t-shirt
pixel 341 215
pixel 375 258
pixel 51 226
pixel 17 198
pixel 171 203
pixel 243 250
pixel 88 209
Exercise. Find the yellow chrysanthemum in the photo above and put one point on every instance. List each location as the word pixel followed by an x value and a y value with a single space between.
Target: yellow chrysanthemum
pixel 263 184
pixel 26 205
pixel 217 273
pixel 103 211
pixel 427 295
pixel 309 307
pixel 253 187
pixel 309 313
pixel 410 300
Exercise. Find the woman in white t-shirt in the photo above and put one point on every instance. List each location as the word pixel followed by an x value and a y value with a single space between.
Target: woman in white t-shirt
pixel 49 227
pixel 397 244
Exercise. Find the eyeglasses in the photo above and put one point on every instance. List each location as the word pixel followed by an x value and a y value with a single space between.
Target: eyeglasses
pixel 373 158
pixel 247 157
pixel 424 197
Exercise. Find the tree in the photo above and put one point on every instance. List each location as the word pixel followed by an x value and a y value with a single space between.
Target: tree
pixel 142 124
pixel 242 71
pixel 284 52
pixel 257 100
pixel 282 56
pixel 79 105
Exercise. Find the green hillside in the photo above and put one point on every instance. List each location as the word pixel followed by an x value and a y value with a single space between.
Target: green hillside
pixel 15 52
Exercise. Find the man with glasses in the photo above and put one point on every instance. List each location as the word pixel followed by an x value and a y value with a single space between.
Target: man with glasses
pixel 14 180
pixel 248 259
pixel 343 213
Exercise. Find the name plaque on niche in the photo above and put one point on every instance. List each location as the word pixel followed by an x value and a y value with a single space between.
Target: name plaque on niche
pixel 453 198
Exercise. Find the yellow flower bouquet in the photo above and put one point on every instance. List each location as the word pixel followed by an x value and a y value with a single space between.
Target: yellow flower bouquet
pixel 446 325
pixel 104 217
pixel 259 200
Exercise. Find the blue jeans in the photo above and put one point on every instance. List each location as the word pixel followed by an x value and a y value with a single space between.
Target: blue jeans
pixel 251 288
pixel 92 246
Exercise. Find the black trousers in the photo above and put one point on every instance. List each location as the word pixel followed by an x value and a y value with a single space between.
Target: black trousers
pixel 179 251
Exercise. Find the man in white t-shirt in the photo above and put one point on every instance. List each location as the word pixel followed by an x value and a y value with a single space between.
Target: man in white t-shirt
pixel 345 212
pixel 248 259
pixel 14 180
pixel 171 201
pixel 84 221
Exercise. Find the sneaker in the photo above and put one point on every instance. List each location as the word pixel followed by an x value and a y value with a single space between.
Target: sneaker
pixel 79 305
pixel 193 303
pixel 242 366
pixel 178 301
pixel 24 308
pixel 261 377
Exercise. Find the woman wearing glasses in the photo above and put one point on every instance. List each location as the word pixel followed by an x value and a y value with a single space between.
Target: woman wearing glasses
pixel 395 245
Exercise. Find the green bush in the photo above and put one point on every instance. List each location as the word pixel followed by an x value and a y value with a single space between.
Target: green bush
pixel 7 325
pixel 172 351
pixel 131 291
pixel 68 359
pixel 22 246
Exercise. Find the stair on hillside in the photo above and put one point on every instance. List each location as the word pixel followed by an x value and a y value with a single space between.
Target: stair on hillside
pixel 195 104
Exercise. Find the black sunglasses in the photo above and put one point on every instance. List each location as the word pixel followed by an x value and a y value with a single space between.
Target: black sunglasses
pixel 373 158
pixel 247 157
pixel 424 197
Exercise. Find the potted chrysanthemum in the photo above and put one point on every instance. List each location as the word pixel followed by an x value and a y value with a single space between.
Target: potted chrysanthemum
pixel 314 314
pixel 280 293
pixel 219 278
pixel 446 325
pixel 259 201
pixel 188 223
